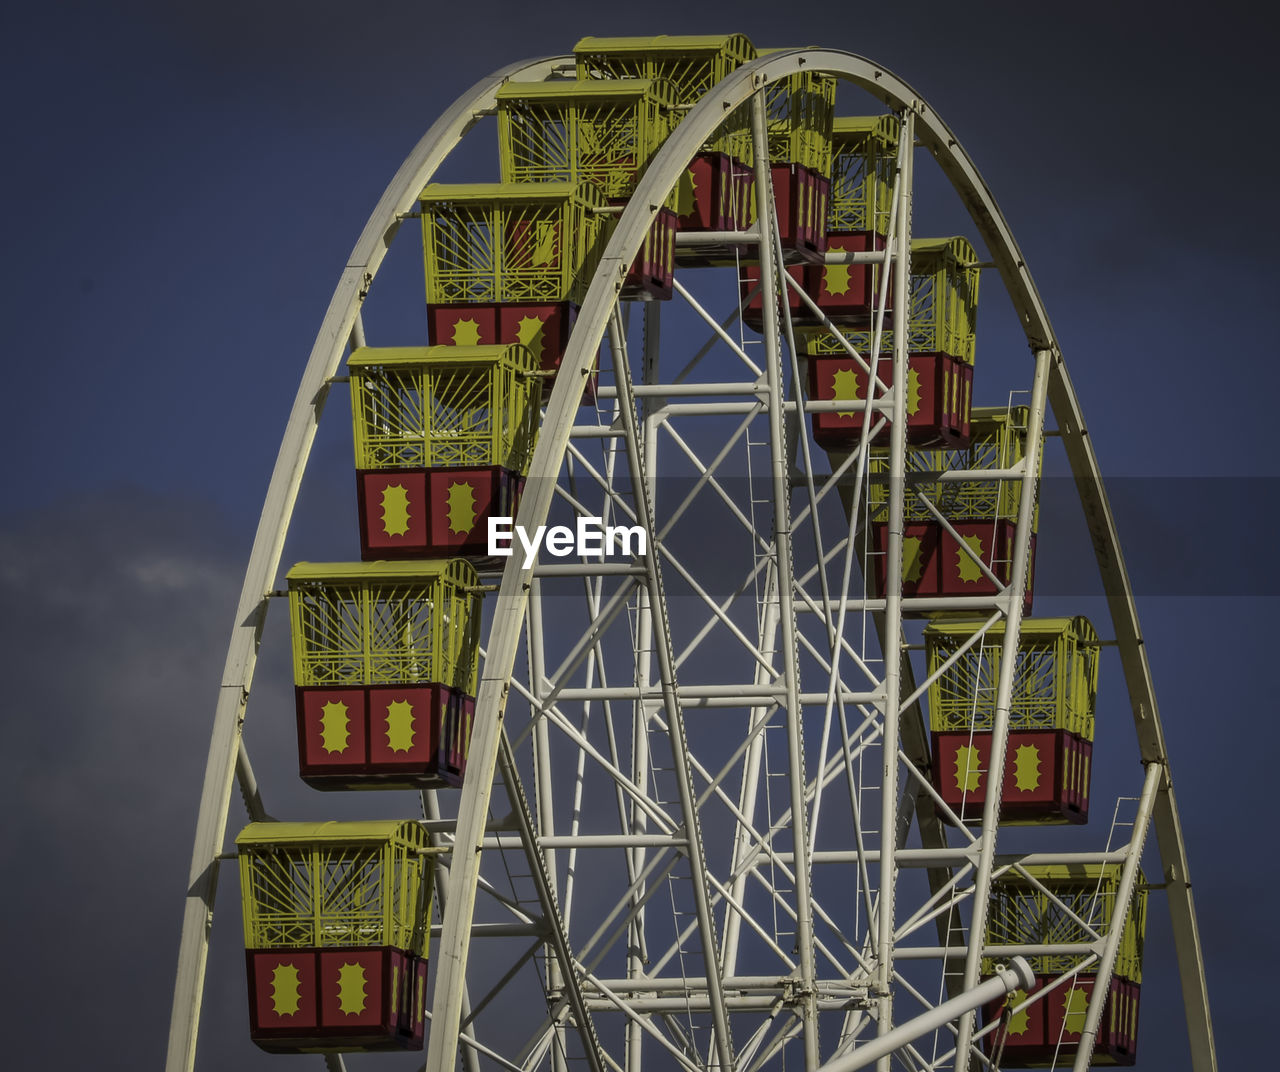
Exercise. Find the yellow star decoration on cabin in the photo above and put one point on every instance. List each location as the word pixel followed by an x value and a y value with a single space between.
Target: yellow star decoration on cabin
pixel 285 998
pixel 969 569
pixel 967 771
pixel 1026 767
pixel 1074 1007
pixel 400 725
pixel 913 392
pixel 529 332
pixel 351 995
pixel 466 332
pixel 836 279
pixel 395 510
pixel 912 559
pixel 334 726
pixel 844 385
pixel 461 507
pixel 1018 1021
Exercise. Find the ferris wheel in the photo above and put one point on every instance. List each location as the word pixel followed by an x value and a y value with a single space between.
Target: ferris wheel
pixel 695 609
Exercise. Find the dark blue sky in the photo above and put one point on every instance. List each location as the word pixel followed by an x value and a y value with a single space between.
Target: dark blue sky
pixel 183 185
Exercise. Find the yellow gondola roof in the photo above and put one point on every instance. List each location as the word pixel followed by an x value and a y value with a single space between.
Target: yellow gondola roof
pixel 304 833
pixel 848 127
pixel 957 248
pixel 415 356
pixel 667 43
pixel 587 89
pixel 514 192
pixel 1031 627
pixel 417 570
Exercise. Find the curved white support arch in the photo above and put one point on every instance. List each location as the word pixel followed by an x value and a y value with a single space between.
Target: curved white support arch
pixel 340 321
pixel 664 170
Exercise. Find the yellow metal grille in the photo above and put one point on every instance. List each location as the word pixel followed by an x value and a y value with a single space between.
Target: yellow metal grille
pixel 800 110
pixel 690 65
pixel 602 133
pixel 944 297
pixel 943 305
pixel 864 159
pixel 998 441
pixel 379 623
pixel 327 885
pixel 444 406
pixel 1055 676
pixel 520 242
pixel 1021 914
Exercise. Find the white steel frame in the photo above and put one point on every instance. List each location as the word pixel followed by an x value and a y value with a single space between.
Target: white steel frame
pixel 662 840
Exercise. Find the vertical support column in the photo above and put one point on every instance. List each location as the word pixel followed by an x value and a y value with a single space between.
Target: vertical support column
pixel 774 287
pixel 745 838
pixel 1004 698
pixel 636 947
pixel 671 700
pixel 543 799
pixel 893 590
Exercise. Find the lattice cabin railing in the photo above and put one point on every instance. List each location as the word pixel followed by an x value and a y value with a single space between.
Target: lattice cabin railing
pixel 370 623
pixel 510 242
pixel 1055 681
pixel 420 407
pixel 864 161
pixel 601 132
pixel 690 65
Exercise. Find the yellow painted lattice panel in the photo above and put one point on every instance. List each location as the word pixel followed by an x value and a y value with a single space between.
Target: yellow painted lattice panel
pixel 864 160
pixel 511 242
pixel 998 441
pixel 800 110
pixel 1021 913
pixel 691 65
pixel 330 885
pixel 444 406
pixel 1055 677
pixel 943 305
pixel 599 132
pixel 368 623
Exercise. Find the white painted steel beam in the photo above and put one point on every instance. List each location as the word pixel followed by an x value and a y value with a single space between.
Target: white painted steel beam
pixel 770 274
pixel 1017 975
pixel 1004 698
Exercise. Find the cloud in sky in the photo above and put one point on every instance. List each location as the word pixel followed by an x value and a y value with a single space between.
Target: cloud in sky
pixel 117 608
